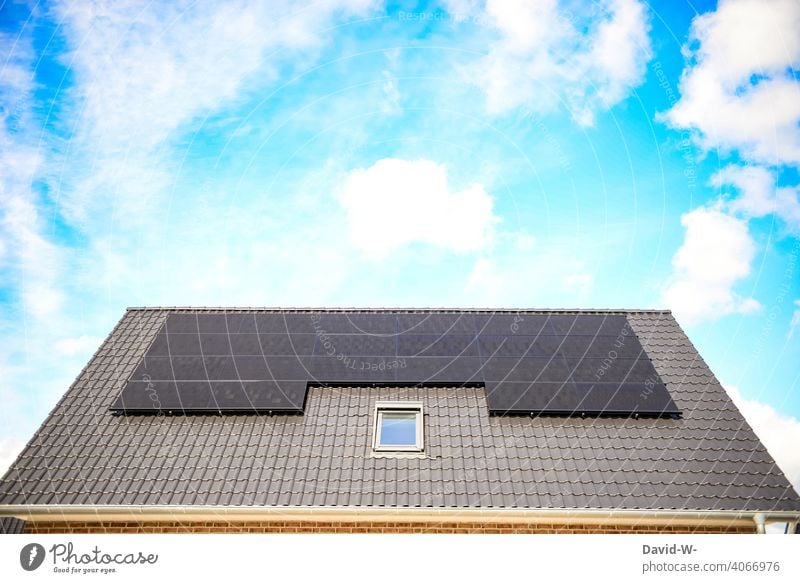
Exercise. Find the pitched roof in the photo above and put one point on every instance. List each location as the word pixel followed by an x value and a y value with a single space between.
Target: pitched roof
pixel 11 526
pixel 709 459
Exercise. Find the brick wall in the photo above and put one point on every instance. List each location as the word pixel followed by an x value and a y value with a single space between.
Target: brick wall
pixel 371 527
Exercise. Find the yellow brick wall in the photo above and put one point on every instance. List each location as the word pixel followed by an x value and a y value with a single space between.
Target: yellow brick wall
pixel 371 527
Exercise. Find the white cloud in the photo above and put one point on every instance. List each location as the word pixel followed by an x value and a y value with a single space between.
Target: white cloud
pixel 716 254
pixel 19 163
pixel 390 105
pixel 16 80
pixel 578 283
pixel 394 203
pixel 39 261
pixel 514 275
pixel 32 265
pixel 795 323
pixel 740 91
pixel 523 241
pixel 76 346
pixel 787 205
pixel 546 55
pixel 485 281
pixel 461 10
pixel 759 196
pixel 27 251
pixel 19 158
pixel 779 433
pixel 10 448
pixel 717 251
pixel 391 94
pixel 144 72
pixel 757 187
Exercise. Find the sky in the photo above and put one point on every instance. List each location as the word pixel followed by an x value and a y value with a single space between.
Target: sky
pixel 557 154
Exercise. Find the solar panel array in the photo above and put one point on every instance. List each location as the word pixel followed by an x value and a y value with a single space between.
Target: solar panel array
pixel 265 361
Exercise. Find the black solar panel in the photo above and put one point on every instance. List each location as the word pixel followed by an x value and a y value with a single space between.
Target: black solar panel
pixel 512 324
pixel 435 323
pixel 177 323
pixel 356 345
pixel 355 323
pixel 241 323
pixel 455 345
pixel 529 363
pixel 208 323
pixel 524 397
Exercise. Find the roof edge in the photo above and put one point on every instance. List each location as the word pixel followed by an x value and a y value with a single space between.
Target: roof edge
pixel 367 310
pixel 84 513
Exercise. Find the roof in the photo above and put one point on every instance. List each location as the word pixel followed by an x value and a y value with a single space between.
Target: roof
pixel 12 526
pixel 709 459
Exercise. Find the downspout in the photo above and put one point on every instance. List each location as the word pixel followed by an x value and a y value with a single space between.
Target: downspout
pixel 792 526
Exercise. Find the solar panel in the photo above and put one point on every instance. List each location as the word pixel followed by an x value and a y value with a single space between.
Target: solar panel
pixel 533 369
pixel 512 324
pixel 207 323
pixel 529 363
pixel 435 323
pixel 250 344
pixel 278 345
pixel 624 398
pixel 241 323
pixel 283 323
pixel 453 345
pixel 440 370
pixel 588 325
pixel 215 344
pixel 356 345
pixel 358 323
pixel 324 370
pixel 178 323
pixel 187 343
pixel 610 370
pixel 524 397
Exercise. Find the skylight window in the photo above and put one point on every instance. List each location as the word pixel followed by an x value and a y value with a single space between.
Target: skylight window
pixel 398 426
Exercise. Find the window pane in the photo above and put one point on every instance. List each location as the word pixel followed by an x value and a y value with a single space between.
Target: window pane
pixel 398 428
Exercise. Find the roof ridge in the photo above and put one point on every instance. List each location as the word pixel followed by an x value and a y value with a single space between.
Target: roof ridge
pixel 291 309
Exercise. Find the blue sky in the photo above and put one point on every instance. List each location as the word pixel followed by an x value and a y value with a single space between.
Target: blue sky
pixel 354 153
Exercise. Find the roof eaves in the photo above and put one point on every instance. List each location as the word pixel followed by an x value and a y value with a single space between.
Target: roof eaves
pixel 34 513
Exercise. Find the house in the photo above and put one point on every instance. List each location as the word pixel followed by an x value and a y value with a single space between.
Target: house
pixel 396 420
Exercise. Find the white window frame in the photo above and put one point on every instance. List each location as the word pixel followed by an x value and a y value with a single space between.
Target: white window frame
pixel 398 407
